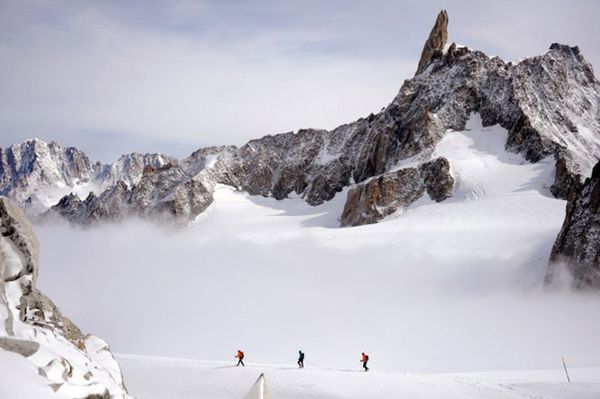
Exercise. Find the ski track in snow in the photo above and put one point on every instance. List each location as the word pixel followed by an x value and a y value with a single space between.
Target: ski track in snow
pixel 439 287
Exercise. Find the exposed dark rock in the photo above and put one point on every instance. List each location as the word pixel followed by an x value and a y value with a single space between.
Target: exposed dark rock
pixel 439 183
pixel 165 194
pixel 21 346
pixel 105 395
pixel 436 41
pixel 383 195
pixel 577 247
pixel 565 181
pixel 168 194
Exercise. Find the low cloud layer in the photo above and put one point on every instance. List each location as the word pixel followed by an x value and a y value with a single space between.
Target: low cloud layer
pixel 433 290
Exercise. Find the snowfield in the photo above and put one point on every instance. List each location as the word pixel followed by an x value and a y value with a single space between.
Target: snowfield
pixel 437 288
pixel 164 378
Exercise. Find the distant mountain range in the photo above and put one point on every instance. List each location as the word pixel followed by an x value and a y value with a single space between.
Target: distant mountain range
pixel 549 104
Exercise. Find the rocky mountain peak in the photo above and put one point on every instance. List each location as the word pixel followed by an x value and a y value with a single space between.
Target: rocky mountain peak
pixel 435 42
pixel 548 104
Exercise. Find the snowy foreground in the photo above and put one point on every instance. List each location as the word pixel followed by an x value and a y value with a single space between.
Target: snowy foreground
pixel 437 288
pixel 164 378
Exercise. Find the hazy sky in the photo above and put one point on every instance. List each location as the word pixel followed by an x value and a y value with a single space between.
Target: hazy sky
pixel 113 76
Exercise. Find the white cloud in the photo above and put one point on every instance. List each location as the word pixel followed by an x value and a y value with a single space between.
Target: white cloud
pixel 446 287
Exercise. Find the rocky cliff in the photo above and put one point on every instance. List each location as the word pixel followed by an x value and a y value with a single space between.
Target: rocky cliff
pixel 548 104
pixel 164 194
pixel 35 167
pixel 68 362
pixel 389 192
pixel 577 247
pixel 436 41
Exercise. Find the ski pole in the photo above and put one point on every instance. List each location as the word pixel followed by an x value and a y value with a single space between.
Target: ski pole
pixel 566 371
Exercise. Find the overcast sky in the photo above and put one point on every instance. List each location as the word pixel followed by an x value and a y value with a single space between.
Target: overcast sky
pixel 117 76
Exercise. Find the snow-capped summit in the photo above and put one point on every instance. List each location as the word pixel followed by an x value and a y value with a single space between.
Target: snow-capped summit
pixel 37 174
pixel 549 104
pixel 35 167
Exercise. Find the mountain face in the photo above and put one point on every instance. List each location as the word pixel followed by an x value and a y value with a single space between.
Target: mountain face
pixel 548 104
pixel 36 174
pixel 166 193
pixel 383 195
pixel 35 166
pixel 68 362
pixel 577 247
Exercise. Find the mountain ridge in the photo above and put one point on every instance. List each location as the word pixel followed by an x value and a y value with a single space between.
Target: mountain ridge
pixel 549 104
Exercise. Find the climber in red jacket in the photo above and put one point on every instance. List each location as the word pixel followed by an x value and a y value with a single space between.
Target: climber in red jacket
pixel 240 356
pixel 364 360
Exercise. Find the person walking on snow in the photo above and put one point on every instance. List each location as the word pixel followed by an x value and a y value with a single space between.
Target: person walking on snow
pixel 240 356
pixel 301 359
pixel 364 360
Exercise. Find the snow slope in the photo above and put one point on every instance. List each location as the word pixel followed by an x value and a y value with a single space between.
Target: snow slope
pixel 443 287
pixel 164 378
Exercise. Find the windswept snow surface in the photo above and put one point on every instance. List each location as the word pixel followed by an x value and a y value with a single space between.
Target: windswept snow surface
pixel 163 378
pixel 443 287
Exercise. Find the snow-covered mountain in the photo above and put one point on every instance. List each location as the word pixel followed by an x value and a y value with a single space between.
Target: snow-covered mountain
pixel 43 354
pixel 36 174
pixel 549 105
pixel 35 170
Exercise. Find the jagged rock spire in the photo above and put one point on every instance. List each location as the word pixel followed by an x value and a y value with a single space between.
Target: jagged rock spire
pixel 436 41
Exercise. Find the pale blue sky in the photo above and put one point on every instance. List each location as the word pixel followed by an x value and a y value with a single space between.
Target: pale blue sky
pixel 114 76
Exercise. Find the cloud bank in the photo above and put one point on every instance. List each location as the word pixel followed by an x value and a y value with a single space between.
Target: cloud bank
pixel 453 287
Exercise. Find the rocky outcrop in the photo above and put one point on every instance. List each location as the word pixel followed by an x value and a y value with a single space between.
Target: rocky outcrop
pixel 170 195
pixel 165 194
pixel 30 323
pixel 436 41
pixel 22 347
pixel 129 168
pixel 438 181
pixel 577 247
pixel 379 197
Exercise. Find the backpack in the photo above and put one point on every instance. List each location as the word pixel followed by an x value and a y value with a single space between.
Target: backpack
pixel 366 358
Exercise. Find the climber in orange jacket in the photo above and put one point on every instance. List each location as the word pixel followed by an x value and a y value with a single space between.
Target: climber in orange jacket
pixel 364 360
pixel 240 357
